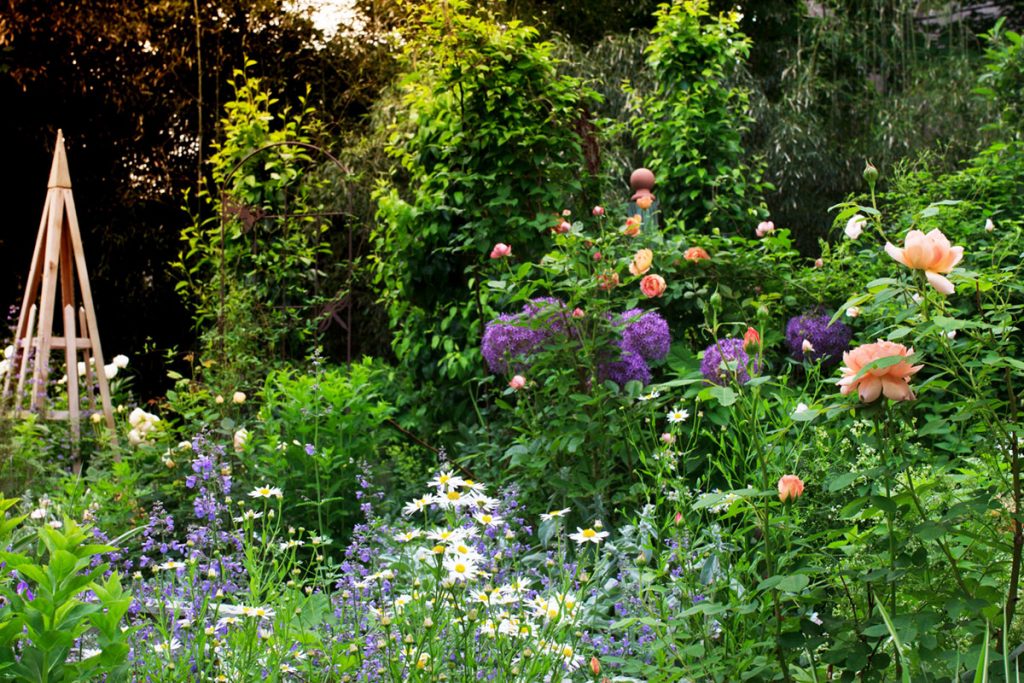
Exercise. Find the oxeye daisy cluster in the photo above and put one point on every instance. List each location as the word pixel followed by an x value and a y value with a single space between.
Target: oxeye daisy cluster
pixel 449 589
pixel 640 336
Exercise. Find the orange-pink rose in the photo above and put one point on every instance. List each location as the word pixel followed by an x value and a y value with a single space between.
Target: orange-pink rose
pixel 791 487
pixel 642 260
pixel 931 253
pixel 633 223
pixel 892 381
pixel 696 254
pixel 653 285
pixel 517 382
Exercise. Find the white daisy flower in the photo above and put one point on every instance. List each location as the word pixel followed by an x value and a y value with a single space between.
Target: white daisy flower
pixel 266 492
pixel 588 536
pixel 414 506
pixel 675 416
pixel 446 481
pixel 487 519
pixel 548 516
pixel 407 536
pixel 461 569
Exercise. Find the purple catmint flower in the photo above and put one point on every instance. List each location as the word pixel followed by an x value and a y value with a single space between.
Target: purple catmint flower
pixel 825 342
pixel 725 361
pixel 646 333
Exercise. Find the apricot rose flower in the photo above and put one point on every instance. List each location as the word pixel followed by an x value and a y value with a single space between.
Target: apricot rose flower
pixel 642 260
pixel 892 381
pixel 931 253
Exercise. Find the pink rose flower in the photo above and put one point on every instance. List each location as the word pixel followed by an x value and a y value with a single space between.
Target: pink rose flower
pixel 819 263
pixel 517 382
pixel 764 228
pixel 653 286
pixel 597 211
pixel 578 313
pixel 893 381
pixel 668 438
pixel 790 488
pixel 931 253
pixel 501 250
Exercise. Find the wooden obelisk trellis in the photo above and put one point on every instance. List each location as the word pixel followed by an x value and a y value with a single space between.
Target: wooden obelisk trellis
pixel 57 257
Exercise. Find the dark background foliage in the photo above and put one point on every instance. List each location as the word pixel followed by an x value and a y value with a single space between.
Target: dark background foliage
pixel 138 94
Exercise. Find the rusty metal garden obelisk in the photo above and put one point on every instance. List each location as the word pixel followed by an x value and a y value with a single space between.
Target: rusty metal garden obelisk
pixel 58 256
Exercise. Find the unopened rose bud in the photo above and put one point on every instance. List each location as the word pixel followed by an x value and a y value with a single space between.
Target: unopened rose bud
pixel 819 263
pixel 597 211
pixel 595 665
pixel 870 174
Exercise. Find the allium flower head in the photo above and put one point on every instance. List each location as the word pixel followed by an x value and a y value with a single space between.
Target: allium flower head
pixel 824 342
pixel 507 339
pixel 726 361
pixel 646 333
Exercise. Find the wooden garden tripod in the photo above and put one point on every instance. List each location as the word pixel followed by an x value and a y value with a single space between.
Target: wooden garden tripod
pixel 58 255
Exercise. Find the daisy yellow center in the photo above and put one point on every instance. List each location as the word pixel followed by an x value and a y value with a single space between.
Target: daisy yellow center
pixel 264 491
pixel 589 533
pixel 454 495
pixel 486 519
pixel 460 568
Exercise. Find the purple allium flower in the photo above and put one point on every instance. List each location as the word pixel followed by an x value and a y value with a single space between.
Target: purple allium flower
pixel 827 342
pixel 725 361
pixel 630 366
pixel 645 333
pixel 506 339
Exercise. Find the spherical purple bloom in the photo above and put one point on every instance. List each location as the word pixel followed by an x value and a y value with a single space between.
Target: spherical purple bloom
pixel 507 338
pixel 827 341
pixel 629 366
pixel 726 361
pixel 645 333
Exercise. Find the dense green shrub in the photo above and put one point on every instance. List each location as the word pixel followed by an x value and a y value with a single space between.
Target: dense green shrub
pixel 691 125
pixel 491 147
pixel 318 432
pixel 249 267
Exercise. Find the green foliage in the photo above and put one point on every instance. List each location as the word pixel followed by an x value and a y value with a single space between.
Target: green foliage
pixel 250 269
pixel 1003 79
pixel 41 620
pixel 691 125
pixel 320 431
pixel 491 149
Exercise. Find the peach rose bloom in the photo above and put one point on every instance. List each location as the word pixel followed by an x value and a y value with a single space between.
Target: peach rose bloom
pixel 653 285
pixel 931 253
pixel 641 262
pixel 517 382
pixel 696 254
pixel 893 381
pixel 790 487
pixel 632 228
